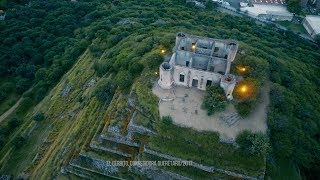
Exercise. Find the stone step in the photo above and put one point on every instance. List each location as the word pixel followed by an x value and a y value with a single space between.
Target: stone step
pixel 85 163
pixel 114 150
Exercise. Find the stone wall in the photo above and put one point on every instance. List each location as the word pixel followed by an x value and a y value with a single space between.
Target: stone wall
pixel 190 74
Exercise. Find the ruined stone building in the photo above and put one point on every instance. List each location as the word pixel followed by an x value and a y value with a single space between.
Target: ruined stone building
pixel 200 62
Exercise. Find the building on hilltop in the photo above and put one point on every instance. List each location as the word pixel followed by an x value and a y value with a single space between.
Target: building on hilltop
pixel 200 62
pixel 312 24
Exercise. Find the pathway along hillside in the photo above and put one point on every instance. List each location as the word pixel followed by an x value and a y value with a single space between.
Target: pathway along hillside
pixel 14 107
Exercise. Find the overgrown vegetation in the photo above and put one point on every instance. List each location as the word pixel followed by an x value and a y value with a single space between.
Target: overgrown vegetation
pixel 253 143
pixel 41 41
pixel 205 148
pixel 215 100
pixel 167 120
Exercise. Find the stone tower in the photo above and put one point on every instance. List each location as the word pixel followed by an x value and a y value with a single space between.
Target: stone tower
pixel 166 79
pixel 228 83
pixel 179 37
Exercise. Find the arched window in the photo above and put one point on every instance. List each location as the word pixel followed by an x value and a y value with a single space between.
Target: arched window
pixel 181 77
pixel 195 81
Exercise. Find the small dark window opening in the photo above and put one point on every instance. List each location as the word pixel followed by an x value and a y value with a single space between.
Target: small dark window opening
pixel 209 83
pixel 216 49
pixel 226 56
pixel 181 78
pixel 182 48
pixel 220 72
pixel 195 83
pixel 187 63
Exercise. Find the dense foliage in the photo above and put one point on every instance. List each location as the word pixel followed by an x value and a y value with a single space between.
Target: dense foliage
pixel 39 44
pixel 167 120
pixel 253 143
pixel 40 41
pixel 294 6
pixel 215 99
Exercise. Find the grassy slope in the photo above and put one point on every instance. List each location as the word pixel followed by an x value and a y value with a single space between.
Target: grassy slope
pixel 204 147
pixel 56 139
pixel 292 26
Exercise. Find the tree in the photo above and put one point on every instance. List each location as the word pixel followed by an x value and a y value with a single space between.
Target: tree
pixel 135 68
pixel 105 91
pixel 124 79
pixel 3 95
pixel 294 6
pixel 7 87
pixel 39 116
pixel 210 5
pixel 153 60
pixel 13 123
pixel 22 85
pixel 253 143
pixel 18 142
pixel 214 100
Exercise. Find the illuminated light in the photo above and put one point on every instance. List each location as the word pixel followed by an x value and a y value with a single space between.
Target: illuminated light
pixel 156 73
pixel 244 89
pixel 193 46
pixel 242 69
pixel 163 51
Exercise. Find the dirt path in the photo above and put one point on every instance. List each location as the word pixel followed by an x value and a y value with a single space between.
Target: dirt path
pixel 14 107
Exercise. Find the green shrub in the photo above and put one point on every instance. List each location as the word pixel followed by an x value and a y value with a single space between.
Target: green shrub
pixel 4 131
pixel 244 108
pixel 214 100
pixel 167 120
pixel 13 123
pixel 22 85
pixel 104 91
pixel 136 68
pixel 25 104
pixel 246 101
pixel 153 60
pixel 124 79
pixel 253 143
pixel 146 99
pixel 39 116
pixel 3 95
pixel 7 87
pixel 18 142
pixel 2 141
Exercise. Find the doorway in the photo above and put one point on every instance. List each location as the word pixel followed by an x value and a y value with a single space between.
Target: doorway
pixel 194 82
pixel 209 83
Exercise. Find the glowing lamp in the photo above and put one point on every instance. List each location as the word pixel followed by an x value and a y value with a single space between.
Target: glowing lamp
pixel 244 89
pixel 163 51
pixel 156 73
pixel 193 46
pixel 243 69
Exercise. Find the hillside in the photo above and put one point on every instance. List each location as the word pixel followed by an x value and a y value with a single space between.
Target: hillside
pixel 91 72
